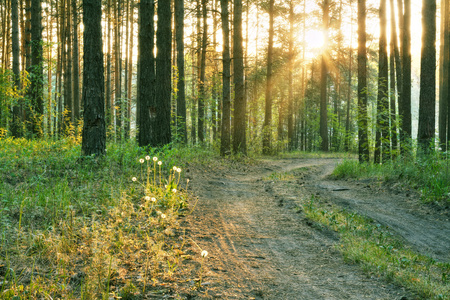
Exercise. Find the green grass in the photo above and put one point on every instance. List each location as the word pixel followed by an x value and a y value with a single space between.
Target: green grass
pixel 429 176
pixel 75 227
pixel 380 253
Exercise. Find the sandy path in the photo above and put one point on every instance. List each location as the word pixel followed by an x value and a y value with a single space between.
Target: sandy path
pixel 261 248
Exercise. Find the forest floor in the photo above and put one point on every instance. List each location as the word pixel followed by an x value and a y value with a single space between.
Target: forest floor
pixel 261 245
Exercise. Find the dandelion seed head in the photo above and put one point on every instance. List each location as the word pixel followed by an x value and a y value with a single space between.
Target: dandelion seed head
pixel 153 199
pixel 174 190
pixel 158 212
pixel 174 168
pixel 147 198
pixel 134 179
pixel 179 170
pixel 159 163
pixel 204 253
pixel 147 157
pixel 155 158
pixel 187 180
pixel 141 160
pixel 163 216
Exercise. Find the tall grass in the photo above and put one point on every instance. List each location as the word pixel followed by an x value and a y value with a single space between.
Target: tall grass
pixel 75 227
pixel 430 176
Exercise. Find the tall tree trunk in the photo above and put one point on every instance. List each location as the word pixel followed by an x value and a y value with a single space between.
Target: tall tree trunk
pixel 240 110
pixel 202 90
pixel 267 129
pixel 394 71
pixel 181 93
pixel 94 129
pixel 324 80
pixel 225 142
pixel 363 142
pixel 444 74
pixel 405 99
pixel 349 87
pixel 16 121
pixel 68 99
pixel 161 121
pixel 108 95
pixel 381 142
pixel 290 78
pixel 427 102
pixel 146 73
pixel 117 69
pixel 36 71
pixel 130 69
pixel 75 59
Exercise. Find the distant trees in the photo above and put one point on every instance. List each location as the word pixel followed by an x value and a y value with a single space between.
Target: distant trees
pixel 299 95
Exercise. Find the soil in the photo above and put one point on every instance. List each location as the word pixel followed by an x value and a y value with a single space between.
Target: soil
pixel 261 246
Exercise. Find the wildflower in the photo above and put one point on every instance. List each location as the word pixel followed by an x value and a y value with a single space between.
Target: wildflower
pixel 159 163
pixel 147 198
pixel 147 157
pixel 174 190
pixel 153 199
pixel 155 158
pixel 204 253
pixel 163 216
pixel 174 168
pixel 179 170
pixel 134 179
pixel 141 160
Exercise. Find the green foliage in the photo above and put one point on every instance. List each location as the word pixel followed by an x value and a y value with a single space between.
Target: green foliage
pixel 430 175
pixel 82 226
pixel 381 253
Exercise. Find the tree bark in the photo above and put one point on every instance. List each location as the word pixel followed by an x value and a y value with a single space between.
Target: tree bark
pixel 146 73
pixel 240 113
pixel 324 81
pixel 160 121
pixel 427 101
pixel 405 99
pixel 225 142
pixel 181 93
pixel 202 90
pixel 75 59
pixel 290 79
pixel 267 128
pixel 381 143
pixel 363 142
pixel 16 121
pixel 445 75
pixel 94 132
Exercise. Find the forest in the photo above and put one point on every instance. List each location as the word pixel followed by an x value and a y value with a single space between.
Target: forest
pixel 131 130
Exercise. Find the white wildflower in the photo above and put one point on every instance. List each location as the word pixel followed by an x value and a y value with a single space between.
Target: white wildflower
pixel 204 253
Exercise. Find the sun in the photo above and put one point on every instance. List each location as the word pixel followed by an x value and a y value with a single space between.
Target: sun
pixel 314 39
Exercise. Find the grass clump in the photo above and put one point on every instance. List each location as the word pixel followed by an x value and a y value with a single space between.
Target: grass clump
pixel 430 176
pixel 76 227
pixel 381 253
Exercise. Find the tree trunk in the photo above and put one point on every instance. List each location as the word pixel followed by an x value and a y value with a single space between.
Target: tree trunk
pixel 16 121
pixel 130 70
pixel 444 75
pixel 427 102
pixel 240 114
pixel 202 91
pixel 161 120
pixel 381 143
pixel 117 69
pixel 290 78
pixel 324 80
pixel 181 94
pixel 363 142
pixel 68 99
pixel 76 62
pixel 36 71
pixel 267 128
pixel 94 132
pixel 405 99
pixel 225 142
pixel 109 103
pixel 394 71
pixel 146 73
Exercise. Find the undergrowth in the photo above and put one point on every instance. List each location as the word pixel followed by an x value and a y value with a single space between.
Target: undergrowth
pixel 430 176
pixel 381 253
pixel 76 227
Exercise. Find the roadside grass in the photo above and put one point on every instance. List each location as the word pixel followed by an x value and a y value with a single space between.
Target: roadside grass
pixel 318 154
pixel 380 253
pixel 75 227
pixel 430 176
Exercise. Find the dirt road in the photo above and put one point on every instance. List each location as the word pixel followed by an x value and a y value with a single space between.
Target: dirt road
pixel 261 246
